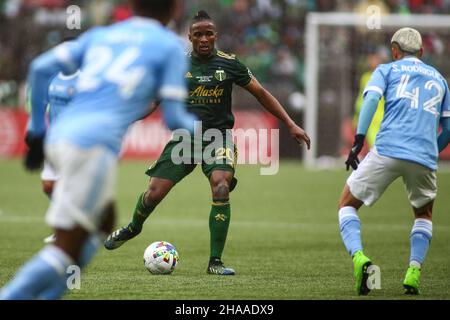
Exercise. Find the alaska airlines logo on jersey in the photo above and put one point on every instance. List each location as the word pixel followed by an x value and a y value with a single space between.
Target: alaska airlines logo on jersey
pixel 201 91
pixel 220 75
pixel 188 75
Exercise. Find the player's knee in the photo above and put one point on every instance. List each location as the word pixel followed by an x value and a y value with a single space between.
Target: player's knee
pixel 343 202
pixel 154 195
pixel 424 215
pixel 47 187
pixel 348 200
pixel 425 212
pixel 221 190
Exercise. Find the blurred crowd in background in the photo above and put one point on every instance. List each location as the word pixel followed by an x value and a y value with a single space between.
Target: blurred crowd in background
pixel 267 35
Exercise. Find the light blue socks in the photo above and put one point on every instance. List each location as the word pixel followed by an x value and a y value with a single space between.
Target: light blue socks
pixel 45 270
pixel 350 227
pixel 420 238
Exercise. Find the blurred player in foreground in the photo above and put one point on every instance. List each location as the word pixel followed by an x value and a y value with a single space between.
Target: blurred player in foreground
pixel 417 99
pixel 211 78
pixel 123 68
pixel 60 92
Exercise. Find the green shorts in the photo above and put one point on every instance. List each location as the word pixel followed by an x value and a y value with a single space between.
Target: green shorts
pixel 176 161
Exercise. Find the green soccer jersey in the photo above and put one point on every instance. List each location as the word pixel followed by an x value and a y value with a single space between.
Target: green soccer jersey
pixel 210 87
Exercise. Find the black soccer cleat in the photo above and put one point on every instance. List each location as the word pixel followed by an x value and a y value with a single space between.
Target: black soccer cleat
pixel 216 266
pixel 119 237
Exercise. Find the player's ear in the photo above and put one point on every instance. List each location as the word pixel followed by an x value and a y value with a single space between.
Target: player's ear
pixel 420 53
pixel 393 52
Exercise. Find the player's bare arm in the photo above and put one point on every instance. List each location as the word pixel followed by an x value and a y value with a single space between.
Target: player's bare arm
pixel 271 104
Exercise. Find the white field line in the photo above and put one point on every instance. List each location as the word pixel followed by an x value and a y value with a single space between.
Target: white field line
pixel 181 223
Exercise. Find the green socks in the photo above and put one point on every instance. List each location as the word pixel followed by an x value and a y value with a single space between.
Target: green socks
pixel 219 220
pixel 140 214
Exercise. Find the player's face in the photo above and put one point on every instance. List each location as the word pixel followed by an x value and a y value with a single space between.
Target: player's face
pixel 203 36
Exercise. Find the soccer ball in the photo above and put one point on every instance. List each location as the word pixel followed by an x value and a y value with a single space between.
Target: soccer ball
pixel 160 258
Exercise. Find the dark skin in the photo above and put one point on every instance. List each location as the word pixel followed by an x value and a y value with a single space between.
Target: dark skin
pixel 348 199
pixel 72 241
pixel 203 36
pixel 47 187
pixel 173 12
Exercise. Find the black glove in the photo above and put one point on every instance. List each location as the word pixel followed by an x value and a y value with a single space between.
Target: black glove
pixel 34 156
pixel 352 160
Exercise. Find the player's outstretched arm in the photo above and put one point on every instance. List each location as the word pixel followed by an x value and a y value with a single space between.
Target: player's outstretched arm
pixel 271 104
pixel 42 69
pixel 173 90
pixel 444 136
pixel 65 57
pixel 368 110
pixel 176 116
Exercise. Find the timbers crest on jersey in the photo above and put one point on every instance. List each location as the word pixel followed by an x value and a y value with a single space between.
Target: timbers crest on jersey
pixel 220 75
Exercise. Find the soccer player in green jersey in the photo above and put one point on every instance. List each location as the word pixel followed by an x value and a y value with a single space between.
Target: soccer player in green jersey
pixel 210 78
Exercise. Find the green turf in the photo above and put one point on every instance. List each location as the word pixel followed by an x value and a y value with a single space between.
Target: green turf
pixel 283 241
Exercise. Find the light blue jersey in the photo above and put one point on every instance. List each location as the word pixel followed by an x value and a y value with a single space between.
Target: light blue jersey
pixel 417 97
pixel 60 93
pixel 123 68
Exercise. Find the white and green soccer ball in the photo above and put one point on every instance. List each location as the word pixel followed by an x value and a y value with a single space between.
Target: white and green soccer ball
pixel 160 258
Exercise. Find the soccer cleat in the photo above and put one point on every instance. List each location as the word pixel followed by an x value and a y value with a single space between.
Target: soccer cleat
pixel 412 281
pixel 361 263
pixel 216 266
pixel 119 237
pixel 50 239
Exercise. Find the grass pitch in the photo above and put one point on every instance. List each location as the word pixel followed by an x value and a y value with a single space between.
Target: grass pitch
pixel 283 240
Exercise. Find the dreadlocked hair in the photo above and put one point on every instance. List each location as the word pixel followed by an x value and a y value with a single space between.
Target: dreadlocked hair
pixel 202 15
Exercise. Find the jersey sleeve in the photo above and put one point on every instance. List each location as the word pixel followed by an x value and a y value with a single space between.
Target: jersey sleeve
pixel 70 54
pixel 243 75
pixel 377 82
pixel 445 110
pixel 173 84
pixel 368 109
pixel 66 57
